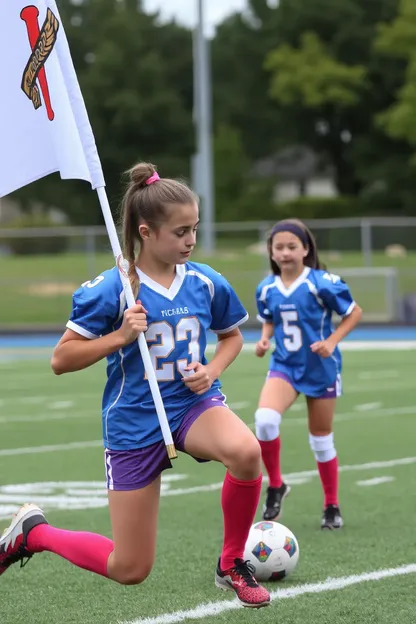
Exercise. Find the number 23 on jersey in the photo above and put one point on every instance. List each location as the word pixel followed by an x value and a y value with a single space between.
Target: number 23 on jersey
pixel 162 340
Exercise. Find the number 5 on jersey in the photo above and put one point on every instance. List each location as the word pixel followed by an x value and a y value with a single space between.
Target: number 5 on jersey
pixel 293 334
pixel 163 334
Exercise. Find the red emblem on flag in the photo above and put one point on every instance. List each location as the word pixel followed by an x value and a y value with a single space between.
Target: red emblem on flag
pixel 42 41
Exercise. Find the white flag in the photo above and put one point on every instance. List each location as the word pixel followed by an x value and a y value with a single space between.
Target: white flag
pixel 44 126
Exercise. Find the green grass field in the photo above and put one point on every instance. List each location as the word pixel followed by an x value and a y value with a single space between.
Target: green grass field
pixel 50 453
pixel 36 290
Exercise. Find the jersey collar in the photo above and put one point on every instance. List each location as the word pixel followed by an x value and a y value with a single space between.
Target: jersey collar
pixel 289 291
pixel 171 292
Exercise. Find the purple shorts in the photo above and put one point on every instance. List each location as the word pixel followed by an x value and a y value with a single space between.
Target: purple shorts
pixel 134 469
pixel 330 393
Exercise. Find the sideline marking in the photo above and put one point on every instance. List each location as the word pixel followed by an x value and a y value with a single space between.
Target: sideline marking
pixel 331 584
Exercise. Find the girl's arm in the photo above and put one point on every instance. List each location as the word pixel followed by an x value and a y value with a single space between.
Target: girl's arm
pixel 263 345
pixel 325 348
pixel 346 325
pixel 75 352
pixel 228 347
pixel 267 330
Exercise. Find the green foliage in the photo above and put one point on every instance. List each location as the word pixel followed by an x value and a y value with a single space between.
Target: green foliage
pixel 39 245
pixel 398 39
pixel 311 76
pixel 239 195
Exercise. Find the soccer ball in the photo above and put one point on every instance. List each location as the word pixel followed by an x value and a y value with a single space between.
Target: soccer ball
pixel 273 550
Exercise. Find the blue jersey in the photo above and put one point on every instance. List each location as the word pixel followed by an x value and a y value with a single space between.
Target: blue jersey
pixel 178 320
pixel 302 315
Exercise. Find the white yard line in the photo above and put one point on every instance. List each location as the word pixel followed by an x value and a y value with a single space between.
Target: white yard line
pixel 379 374
pixel 93 495
pixel 211 609
pixel 64 396
pixel 388 463
pixel 60 405
pixel 70 446
pixel 238 405
pixel 380 388
pixel 375 481
pixel 51 417
pixel 377 413
pixel 295 478
pixel 358 414
pixel 74 414
pixel 364 410
pixel 30 450
pixel 31 400
pixel 368 407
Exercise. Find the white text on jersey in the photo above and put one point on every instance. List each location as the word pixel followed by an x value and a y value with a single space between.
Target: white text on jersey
pixel 175 311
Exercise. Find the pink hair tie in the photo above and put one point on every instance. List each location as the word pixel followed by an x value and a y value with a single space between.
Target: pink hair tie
pixel 153 178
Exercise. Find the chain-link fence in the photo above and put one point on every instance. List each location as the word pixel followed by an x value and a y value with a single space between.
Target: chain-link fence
pixel 40 268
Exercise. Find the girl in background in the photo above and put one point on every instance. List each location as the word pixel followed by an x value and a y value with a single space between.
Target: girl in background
pixel 295 304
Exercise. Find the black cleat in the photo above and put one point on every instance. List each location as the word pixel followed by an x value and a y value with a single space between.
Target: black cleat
pixel 273 507
pixel 332 518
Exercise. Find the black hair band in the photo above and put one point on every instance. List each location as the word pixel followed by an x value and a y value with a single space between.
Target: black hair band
pixel 293 228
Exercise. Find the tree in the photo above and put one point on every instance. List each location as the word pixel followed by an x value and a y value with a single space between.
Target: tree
pixel 334 109
pixel 310 79
pixel 239 194
pixel 397 39
pixel 241 95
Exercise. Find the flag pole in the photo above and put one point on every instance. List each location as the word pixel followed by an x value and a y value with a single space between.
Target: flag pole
pixel 63 136
pixel 123 266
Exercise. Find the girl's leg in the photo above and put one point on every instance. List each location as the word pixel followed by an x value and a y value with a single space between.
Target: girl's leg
pixel 276 397
pixel 134 488
pixel 128 559
pixel 134 526
pixel 321 415
pixel 218 434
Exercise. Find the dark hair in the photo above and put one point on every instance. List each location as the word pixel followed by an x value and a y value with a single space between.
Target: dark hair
pixel 147 203
pixel 305 236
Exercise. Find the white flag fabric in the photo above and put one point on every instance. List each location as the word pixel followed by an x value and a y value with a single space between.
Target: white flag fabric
pixel 44 126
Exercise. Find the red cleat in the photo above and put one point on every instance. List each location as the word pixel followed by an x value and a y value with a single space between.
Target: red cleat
pixel 240 579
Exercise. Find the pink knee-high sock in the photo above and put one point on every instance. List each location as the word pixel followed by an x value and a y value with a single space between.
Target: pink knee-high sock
pixel 85 550
pixel 270 452
pixel 328 471
pixel 239 501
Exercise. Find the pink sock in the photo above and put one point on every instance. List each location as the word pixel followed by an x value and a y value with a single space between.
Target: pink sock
pixel 239 501
pixel 270 452
pixel 328 471
pixel 85 550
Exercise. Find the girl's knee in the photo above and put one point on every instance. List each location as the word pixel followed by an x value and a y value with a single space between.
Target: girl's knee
pixel 267 424
pixel 323 447
pixel 243 457
pixel 131 574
